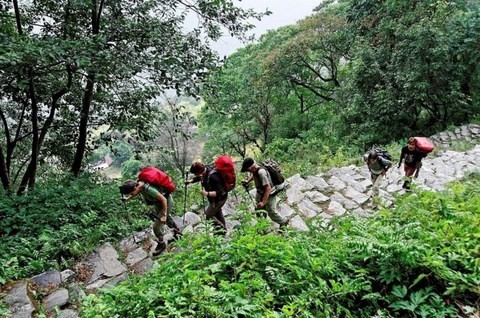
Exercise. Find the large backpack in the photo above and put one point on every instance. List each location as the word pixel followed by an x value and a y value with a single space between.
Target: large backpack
pixel 424 144
pixel 226 168
pixel 383 153
pixel 157 178
pixel 274 170
pixel 379 151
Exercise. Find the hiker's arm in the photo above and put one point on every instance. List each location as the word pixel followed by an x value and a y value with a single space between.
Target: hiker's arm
pixel 401 158
pixel 262 203
pixel 387 166
pixel 193 180
pixel 161 198
pixel 215 184
pixel 367 161
pixel 249 179
pixel 138 189
pixel 209 194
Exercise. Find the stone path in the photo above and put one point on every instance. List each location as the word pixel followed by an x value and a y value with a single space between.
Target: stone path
pixel 335 193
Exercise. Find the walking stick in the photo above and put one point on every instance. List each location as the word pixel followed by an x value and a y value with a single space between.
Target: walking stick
pixel 123 197
pixel 204 210
pixel 185 199
pixel 245 186
pixel 126 210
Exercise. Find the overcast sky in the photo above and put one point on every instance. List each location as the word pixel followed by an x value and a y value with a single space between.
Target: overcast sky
pixel 284 12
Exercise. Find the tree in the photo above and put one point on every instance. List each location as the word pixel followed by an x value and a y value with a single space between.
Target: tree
pixel 278 87
pixel 174 139
pixel 408 75
pixel 238 101
pixel 77 65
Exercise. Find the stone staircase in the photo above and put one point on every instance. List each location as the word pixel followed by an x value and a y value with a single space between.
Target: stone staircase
pixel 324 196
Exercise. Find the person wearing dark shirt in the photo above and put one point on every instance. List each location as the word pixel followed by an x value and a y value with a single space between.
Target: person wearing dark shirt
pixel 412 161
pixel 214 190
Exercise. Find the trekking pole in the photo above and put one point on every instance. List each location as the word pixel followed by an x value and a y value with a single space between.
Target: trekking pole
pixel 245 186
pixel 204 210
pixel 185 199
pixel 126 210
pixel 123 200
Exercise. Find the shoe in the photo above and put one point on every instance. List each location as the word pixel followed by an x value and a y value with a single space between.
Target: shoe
pixel 159 249
pixel 176 236
pixel 283 227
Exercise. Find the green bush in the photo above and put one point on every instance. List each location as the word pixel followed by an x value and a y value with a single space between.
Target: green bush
pixel 130 168
pixel 58 222
pixel 309 157
pixel 417 260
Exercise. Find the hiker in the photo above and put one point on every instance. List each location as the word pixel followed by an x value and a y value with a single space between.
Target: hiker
pixel 413 161
pixel 265 196
pixel 215 192
pixel 163 203
pixel 378 167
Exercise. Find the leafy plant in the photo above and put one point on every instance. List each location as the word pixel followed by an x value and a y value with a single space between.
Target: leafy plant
pixel 410 261
pixel 59 222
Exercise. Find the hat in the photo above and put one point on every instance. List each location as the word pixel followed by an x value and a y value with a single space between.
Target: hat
pixel 247 163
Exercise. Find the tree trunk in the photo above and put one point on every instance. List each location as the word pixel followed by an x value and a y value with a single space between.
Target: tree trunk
pixel 4 172
pixel 87 97
pixel 29 175
pixel 84 115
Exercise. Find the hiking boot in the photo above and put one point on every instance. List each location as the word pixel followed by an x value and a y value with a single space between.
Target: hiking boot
pixel 176 236
pixel 159 249
pixel 283 227
pixel 220 231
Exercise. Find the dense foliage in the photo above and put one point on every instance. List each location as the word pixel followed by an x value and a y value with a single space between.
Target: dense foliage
pixel 69 67
pixel 419 259
pixel 59 222
pixel 354 74
pixel 84 75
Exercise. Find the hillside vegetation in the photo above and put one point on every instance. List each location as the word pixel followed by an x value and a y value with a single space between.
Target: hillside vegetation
pixel 317 94
pixel 420 259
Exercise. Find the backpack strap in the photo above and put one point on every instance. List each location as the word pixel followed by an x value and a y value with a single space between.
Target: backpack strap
pixel 210 170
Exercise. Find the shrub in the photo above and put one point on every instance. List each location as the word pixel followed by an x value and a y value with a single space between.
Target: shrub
pixel 59 221
pixel 418 259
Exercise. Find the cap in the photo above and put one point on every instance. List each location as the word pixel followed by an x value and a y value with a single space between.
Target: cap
pixel 247 163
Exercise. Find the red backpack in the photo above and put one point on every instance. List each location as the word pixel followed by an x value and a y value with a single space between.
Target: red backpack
pixel 225 166
pixel 424 144
pixel 157 178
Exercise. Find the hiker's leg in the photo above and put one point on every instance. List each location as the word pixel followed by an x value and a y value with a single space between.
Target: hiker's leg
pixel 271 208
pixel 212 212
pixel 376 180
pixel 170 222
pixel 373 177
pixel 159 229
pixel 219 214
pixel 408 175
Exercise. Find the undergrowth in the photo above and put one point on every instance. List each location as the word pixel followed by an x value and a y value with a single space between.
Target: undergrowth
pixel 420 259
pixel 58 222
